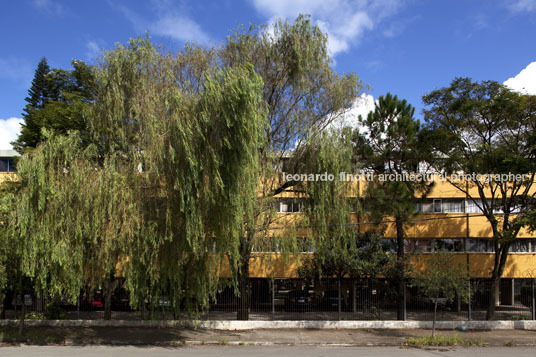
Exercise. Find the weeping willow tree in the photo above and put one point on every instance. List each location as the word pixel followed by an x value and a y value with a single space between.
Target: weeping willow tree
pixel 8 248
pixel 158 194
pixel 341 249
pixel 303 95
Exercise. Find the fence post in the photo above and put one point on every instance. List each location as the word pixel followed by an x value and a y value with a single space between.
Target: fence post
pixel 273 297
pixel 469 302
pixel 339 298
pixel 533 300
pixel 354 297
pixel 78 307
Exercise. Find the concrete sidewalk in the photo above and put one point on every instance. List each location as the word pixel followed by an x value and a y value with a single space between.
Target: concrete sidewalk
pixel 263 337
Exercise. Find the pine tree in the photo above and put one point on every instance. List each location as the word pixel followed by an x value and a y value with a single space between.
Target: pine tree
pixel 56 101
pixel 393 143
pixel 38 95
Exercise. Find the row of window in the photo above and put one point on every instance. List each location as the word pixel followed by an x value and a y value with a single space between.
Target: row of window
pixel 474 245
pixel 436 205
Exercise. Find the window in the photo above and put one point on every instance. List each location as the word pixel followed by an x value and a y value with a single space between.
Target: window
pixel 288 205
pixel 7 165
pixel 520 246
pixel 449 245
pixel 479 245
pixel 418 245
pixel 438 206
pixel 473 206
pixel 453 206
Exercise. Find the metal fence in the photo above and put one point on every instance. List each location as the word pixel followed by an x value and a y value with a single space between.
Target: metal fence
pixel 296 299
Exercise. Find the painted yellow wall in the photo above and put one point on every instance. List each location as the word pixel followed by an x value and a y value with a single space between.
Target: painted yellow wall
pixel 267 265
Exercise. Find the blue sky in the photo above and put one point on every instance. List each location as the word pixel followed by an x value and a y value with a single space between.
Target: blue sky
pixel 406 47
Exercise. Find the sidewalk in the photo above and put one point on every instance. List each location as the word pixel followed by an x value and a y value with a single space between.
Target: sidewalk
pixel 302 337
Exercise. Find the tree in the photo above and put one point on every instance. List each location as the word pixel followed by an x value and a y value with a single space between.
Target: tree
pixel 56 101
pixel 38 95
pixel 484 128
pixel 340 250
pixel 442 278
pixel 303 94
pixel 158 192
pixel 8 191
pixel 391 141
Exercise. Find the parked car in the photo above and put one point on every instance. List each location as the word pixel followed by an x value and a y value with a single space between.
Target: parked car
pixel 330 300
pixel 298 300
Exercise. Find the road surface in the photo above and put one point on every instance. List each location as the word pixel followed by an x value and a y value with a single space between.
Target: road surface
pixel 252 351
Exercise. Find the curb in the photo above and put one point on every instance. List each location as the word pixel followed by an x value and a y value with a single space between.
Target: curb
pixel 299 324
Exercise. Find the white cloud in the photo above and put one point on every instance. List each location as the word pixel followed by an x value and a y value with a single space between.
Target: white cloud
pixel 345 21
pixel 517 6
pixel 180 28
pixel 169 21
pixel 363 105
pixel 92 50
pixel 49 6
pixel 9 131
pixel 525 81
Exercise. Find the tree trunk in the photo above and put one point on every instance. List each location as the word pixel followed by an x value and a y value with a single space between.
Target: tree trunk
pixel 22 315
pixel 3 309
pixel 243 306
pixel 401 306
pixel 492 298
pixel 143 312
pixel 78 307
pixel 108 297
pixel 501 254
pixel 435 317
pixel 243 284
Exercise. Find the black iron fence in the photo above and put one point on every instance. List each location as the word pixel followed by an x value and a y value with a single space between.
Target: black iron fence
pixel 297 299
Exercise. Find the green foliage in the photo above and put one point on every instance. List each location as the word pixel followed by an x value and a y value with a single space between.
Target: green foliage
pixel 38 95
pixel 55 311
pixel 485 128
pixel 302 91
pixel 303 94
pixel 156 191
pixel 58 100
pixel 391 141
pixel 150 165
pixel 8 191
pixel 442 278
pixel 35 316
pixel 339 247
pixel 454 340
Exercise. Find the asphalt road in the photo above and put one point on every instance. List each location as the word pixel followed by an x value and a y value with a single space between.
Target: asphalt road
pixel 279 351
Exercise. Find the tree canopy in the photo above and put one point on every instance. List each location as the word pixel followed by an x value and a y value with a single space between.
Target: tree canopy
pixel 302 94
pixel 391 141
pixel 156 190
pixel 485 128
pixel 56 101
